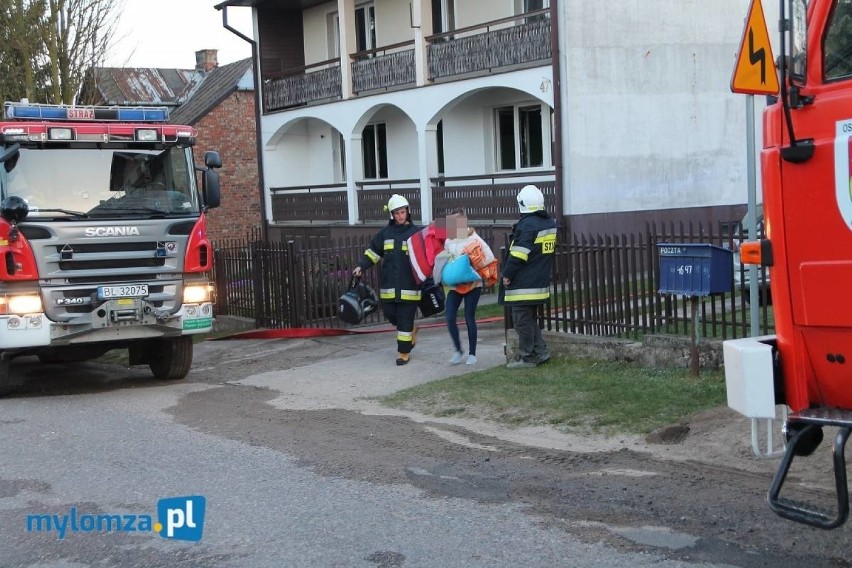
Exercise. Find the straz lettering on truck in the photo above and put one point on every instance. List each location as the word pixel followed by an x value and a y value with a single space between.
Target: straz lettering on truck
pixel 103 228
pixel 111 231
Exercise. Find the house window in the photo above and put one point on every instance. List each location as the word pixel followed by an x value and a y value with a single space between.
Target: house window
pixel 374 145
pixel 837 46
pixel 519 136
pixel 524 6
pixel 365 27
pixel 439 135
pixel 443 16
pixel 365 30
pixel 333 27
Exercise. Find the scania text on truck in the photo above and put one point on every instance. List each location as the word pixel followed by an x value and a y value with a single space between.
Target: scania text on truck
pixel 807 205
pixel 103 239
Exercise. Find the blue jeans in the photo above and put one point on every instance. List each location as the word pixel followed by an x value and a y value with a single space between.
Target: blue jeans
pixel 451 307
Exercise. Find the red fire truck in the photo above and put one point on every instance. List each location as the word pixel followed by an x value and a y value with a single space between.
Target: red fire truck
pixel 103 240
pixel 807 203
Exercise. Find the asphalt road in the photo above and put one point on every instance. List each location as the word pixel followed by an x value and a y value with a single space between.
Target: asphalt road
pixel 298 465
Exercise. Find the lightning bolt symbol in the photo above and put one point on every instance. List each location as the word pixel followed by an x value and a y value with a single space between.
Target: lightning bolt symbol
pixel 757 56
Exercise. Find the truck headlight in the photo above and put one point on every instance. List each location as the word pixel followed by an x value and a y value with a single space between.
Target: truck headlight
pixel 197 294
pixel 28 304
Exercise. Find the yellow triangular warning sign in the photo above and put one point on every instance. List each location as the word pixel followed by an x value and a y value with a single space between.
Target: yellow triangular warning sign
pixel 755 70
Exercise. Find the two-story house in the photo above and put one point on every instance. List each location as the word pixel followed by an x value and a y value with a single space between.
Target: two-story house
pixel 619 111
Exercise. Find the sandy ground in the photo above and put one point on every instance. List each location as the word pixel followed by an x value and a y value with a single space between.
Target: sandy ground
pixel 354 377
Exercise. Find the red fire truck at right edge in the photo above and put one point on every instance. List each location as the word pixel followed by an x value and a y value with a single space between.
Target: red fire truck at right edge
pixel 807 200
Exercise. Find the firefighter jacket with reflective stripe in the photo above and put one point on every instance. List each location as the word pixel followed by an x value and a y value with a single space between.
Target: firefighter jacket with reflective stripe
pixel 530 260
pixel 397 283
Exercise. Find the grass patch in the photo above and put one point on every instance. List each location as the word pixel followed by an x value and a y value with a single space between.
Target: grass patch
pixel 574 395
pixel 486 311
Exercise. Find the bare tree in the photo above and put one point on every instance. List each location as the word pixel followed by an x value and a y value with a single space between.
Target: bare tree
pixel 48 46
pixel 20 44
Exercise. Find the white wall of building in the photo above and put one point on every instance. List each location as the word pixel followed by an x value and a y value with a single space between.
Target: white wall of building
pixel 282 164
pixel 472 12
pixel 393 22
pixel 466 149
pixel 316 30
pixel 648 117
pixel 303 156
pixel 402 143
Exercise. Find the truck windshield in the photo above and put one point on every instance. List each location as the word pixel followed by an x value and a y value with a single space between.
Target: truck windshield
pixel 79 183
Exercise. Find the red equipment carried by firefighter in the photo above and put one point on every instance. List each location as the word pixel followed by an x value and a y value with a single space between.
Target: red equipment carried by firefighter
pixel 103 240
pixel 807 203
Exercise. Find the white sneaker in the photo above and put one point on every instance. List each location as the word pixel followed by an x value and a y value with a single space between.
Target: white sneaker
pixel 457 358
pixel 471 360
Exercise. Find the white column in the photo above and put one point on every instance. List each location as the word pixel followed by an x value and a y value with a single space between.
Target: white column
pixel 354 171
pixel 346 15
pixel 421 20
pixel 427 141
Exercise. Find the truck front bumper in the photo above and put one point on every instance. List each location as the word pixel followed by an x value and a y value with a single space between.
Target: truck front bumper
pixel 114 321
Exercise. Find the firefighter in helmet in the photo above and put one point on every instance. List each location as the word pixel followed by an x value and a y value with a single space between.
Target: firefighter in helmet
pixel 398 291
pixel 527 274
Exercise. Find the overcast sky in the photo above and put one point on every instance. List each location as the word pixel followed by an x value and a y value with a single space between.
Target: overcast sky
pixel 167 33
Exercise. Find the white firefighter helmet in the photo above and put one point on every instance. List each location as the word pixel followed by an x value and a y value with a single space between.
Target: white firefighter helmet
pixel 395 202
pixel 530 199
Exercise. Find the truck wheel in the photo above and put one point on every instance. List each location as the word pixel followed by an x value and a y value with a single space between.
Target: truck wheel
pixel 171 359
pixel 808 443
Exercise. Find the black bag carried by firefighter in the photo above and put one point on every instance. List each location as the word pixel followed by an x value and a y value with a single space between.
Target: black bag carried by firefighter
pixel 358 302
pixel 432 298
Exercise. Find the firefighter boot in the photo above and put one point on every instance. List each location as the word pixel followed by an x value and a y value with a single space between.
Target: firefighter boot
pixel 402 358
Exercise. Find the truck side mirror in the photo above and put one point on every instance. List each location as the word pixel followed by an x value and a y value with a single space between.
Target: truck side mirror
pixel 212 159
pixel 211 189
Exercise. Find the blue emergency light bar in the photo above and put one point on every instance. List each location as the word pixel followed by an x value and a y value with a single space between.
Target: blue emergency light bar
pixel 30 111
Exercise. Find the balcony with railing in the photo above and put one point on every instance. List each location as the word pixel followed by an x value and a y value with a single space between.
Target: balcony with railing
pixel 315 83
pixel 490 47
pixel 485 198
pixel 383 68
pixel 309 204
pixel 488 198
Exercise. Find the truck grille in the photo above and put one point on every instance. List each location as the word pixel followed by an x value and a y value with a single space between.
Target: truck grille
pixel 72 265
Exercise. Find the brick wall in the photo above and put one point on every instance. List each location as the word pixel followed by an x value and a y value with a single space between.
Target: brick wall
pixel 230 130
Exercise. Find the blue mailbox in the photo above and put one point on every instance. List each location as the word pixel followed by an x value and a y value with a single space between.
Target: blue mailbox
pixel 695 269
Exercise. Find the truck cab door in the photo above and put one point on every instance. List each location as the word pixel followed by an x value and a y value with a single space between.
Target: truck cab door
pixel 813 203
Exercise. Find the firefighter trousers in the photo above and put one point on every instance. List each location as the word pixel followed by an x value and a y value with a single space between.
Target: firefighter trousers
pixel 531 345
pixel 401 315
